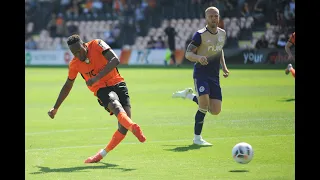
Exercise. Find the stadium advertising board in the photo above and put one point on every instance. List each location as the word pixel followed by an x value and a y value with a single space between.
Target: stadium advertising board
pixel 147 57
pixel 44 57
pixel 50 57
pixel 160 57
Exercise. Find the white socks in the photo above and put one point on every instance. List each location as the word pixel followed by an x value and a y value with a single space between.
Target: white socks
pixel 103 152
pixel 197 136
pixel 190 96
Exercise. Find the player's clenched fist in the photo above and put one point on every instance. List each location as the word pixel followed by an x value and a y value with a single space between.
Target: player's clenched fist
pixel 52 112
pixel 203 60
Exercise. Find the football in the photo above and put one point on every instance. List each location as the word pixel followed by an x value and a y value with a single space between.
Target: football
pixel 242 153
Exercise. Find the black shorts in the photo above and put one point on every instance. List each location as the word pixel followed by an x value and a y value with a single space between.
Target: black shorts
pixel 120 89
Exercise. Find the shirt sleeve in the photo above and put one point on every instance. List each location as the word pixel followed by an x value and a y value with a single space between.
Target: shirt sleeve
pixel 101 46
pixel 196 39
pixel 73 72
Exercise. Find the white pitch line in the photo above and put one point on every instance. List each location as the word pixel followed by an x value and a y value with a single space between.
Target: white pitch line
pixel 155 141
pixel 63 131
pixel 163 124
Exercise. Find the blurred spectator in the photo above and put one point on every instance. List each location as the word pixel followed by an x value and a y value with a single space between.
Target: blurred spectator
pixel 159 43
pixel 245 10
pixel 87 8
pixel 262 43
pixel 281 22
pixel 142 57
pixel 171 33
pixel 97 7
pixel 61 26
pixel 73 11
pixel 140 18
pixel 118 6
pixel 30 43
pixel 52 26
pixel 240 4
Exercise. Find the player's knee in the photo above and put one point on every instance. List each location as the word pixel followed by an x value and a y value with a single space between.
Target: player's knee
pixel 113 96
pixel 114 104
pixel 214 111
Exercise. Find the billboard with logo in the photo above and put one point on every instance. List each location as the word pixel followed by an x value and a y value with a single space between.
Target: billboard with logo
pixel 47 57
pixel 160 57
pixel 50 57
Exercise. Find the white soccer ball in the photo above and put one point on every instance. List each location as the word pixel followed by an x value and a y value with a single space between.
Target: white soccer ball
pixel 242 153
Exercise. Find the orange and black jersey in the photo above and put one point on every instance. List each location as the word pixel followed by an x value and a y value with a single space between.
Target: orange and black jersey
pixel 96 63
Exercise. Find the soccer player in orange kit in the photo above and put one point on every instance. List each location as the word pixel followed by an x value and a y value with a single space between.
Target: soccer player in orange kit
pixel 97 64
pixel 290 42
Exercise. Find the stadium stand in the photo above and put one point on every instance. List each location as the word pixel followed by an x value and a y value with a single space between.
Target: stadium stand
pixel 133 23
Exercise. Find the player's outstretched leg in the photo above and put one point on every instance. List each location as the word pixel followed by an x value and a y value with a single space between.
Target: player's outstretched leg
pixel 186 93
pixel 125 124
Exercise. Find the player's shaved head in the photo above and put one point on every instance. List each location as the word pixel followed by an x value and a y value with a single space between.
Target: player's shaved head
pixel 211 9
pixel 73 39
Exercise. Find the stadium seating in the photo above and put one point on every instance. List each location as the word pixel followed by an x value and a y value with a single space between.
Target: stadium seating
pixel 186 27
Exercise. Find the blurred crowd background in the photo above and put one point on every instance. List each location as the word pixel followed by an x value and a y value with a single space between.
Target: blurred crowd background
pixel 156 24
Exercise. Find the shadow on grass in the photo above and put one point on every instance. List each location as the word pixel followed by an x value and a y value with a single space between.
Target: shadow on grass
pixel 287 99
pixel 239 170
pixel 43 169
pixel 184 148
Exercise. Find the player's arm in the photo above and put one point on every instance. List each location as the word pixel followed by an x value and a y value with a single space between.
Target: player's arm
pixel 64 92
pixel 223 65
pixel 113 59
pixel 191 52
pixel 66 88
pixel 222 60
pixel 287 48
pixel 110 56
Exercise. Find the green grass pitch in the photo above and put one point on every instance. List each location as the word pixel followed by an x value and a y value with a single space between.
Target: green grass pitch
pixel 258 108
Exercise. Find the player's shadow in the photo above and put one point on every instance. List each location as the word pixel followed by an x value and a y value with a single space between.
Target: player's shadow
pixel 239 170
pixel 43 169
pixel 287 99
pixel 184 148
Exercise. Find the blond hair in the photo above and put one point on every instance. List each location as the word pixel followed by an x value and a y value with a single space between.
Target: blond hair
pixel 211 8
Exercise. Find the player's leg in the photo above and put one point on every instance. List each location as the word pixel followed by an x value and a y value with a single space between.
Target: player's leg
pixel 123 94
pixel 215 98
pixel 123 119
pixel 203 90
pixel 291 70
pixel 186 93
